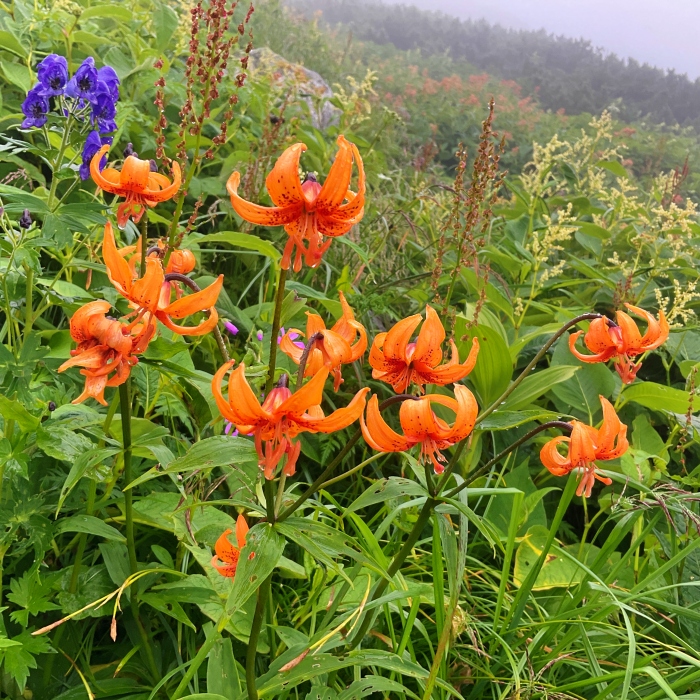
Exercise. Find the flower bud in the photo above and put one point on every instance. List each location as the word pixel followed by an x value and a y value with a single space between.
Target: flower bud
pixel 25 221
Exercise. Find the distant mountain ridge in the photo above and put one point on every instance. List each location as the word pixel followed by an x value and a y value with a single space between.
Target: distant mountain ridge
pixel 565 74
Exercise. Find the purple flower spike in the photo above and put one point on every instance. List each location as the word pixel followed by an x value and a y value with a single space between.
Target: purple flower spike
pixel 230 328
pixel 84 84
pixel 293 335
pixel 103 112
pixel 109 81
pixel 93 143
pixel 228 430
pixel 35 108
pixel 52 73
pixel 259 335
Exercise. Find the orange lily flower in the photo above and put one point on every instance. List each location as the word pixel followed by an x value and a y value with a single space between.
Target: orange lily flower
pixel 421 426
pixel 334 347
pixel 150 294
pixel 137 183
pixel 282 416
pixel 105 346
pixel 586 445
pixel 307 211
pixel 182 261
pixel 226 552
pixel 621 341
pixel 400 363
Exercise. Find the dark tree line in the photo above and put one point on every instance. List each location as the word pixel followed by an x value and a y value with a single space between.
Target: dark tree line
pixel 569 74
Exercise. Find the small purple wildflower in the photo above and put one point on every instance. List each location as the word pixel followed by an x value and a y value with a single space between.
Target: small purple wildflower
pixel 129 150
pixel 52 74
pixel 259 335
pixel 228 429
pixel 25 221
pixel 35 108
pixel 230 327
pixel 93 143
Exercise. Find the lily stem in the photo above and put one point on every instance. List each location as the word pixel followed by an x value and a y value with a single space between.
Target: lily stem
pixel 277 315
pixel 125 410
pixel 338 459
pixel 256 626
pixel 518 380
pixel 473 476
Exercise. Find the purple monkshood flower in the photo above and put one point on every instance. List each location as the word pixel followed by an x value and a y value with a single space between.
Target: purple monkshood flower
pixel 293 335
pixel 231 328
pixel 93 143
pixel 84 84
pixel 109 81
pixel 259 335
pixel 35 108
pixel 52 74
pixel 103 112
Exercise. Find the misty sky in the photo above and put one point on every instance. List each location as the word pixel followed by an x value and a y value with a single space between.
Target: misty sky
pixel 665 33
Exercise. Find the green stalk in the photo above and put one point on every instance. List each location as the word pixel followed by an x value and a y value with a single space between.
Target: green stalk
pixel 28 308
pixel 58 161
pixel 263 592
pixel 272 361
pixel 125 409
pixel 199 658
pixel 395 565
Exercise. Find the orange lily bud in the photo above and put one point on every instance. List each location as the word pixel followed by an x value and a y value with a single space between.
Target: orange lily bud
pixel 105 347
pixel 150 294
pixel 586 445
pixel 282 415
pixel 400 363
pixel 228 553
pixel 622 341
pixel 136 183
pixel 421 426
pixel 307 211
pixel 334 347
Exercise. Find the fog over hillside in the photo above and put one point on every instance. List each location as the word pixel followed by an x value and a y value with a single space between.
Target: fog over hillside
pixel 663 33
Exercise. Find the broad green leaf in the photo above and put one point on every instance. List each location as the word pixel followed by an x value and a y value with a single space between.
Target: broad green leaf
pixel 322 693
pixel 167 607
pixel 656 396
pixel 11 409
pixel 375 684
pixel 17 74
pixel 494 368
pixel 614 166
pixel 259 557
pixel 91 525
pixel 165 22
pixel 9 42
pixel 222 672
pixel 591 229
pixel 504 420
pixel 83 462
pixel 246 241
pixel 112 11
pixel 62 443
pixel 535 385
pixel 205 696
pixel 386 489
pixel 68 290
pixel 216 451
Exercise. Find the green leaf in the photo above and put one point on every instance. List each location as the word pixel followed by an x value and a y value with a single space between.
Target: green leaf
pixel 319 693
pixel 505 420
pixel 17 74
pixel 614 166
pixel 535 385
pixel 62 443
pixel 64 289
pixel 217 451
pixel 375 684
pixel 222 672
pixel 656 396
pixel 259 557
pixel 11 409
pixel 205 696
pixel 9 42
pixel 243 240
pixel 165 22
pixel 87 460
pixel 112 11
pixel 594 230
pixel 494 368
pixel 387 489
pixel 168 607
pixel 91 525
pixel 19 660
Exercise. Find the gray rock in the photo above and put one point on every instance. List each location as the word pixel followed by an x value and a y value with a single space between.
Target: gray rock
pixel 308 85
